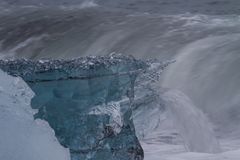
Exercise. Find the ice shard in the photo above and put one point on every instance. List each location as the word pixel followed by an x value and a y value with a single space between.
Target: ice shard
pixel 87 101
pixel 22 137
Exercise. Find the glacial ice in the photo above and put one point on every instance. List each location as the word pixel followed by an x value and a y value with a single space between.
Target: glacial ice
pixel 87 101
pixel 22 137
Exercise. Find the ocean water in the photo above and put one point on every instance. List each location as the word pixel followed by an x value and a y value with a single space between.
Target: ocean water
pixel 201 36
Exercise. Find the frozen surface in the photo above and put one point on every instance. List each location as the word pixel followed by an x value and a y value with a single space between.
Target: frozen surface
pixel 89 67
pixel 22 137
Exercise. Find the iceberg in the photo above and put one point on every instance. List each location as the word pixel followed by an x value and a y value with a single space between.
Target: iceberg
pixel 22 137
pixel 87 101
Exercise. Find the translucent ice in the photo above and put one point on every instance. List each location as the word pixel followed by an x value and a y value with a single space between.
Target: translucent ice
pixel 81 100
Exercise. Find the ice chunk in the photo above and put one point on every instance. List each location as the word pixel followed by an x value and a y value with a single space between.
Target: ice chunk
pixel 22 138
pixel 68 92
